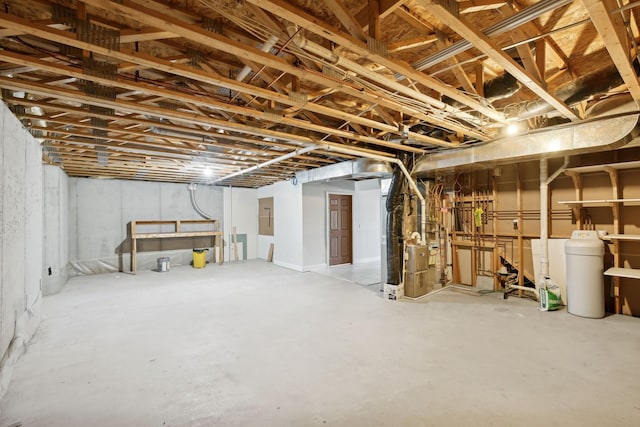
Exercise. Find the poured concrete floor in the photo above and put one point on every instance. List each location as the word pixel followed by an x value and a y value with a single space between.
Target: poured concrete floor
pixel 252 344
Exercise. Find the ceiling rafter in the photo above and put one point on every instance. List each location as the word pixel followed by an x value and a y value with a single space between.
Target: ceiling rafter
pixel 489 48
pixel 346 18
pixel 616 44
pixel 192 73
pixel 183 70
pixel 74 96
pixel 306 21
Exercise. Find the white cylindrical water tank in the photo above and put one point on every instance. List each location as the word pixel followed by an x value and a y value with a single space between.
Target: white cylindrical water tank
pixel 585 279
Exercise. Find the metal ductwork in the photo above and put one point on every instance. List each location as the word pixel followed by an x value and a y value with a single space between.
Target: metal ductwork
pixel 354 169
pixel 525 15
pixel 597 83
pixel 614 123
pixel 395 217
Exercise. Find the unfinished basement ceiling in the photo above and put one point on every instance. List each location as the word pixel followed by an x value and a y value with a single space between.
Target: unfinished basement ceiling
pixel 195 90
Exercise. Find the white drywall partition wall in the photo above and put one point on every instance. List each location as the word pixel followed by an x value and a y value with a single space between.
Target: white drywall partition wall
pixel 21 232
pixel 367 226
pixel 102 210
pixel 287 225
pixel 315 227
pixel 241 211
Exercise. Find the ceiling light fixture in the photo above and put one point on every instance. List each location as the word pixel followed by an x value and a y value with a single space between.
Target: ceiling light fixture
pixel 513 129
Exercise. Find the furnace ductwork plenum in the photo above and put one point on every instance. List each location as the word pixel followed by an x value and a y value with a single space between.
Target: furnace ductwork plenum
pixel 395 215
pixel 596 83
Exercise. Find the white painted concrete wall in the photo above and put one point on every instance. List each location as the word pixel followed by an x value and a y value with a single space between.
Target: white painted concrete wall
pixel 241 211
pixel 56 230
pixel 101 209
pixel 21 233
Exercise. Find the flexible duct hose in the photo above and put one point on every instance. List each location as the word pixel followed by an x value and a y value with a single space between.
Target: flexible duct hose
pixel 395 214
pixel 192 190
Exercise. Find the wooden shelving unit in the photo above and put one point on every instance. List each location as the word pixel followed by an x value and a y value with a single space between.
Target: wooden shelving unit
pixel 615 203
pixel 177 232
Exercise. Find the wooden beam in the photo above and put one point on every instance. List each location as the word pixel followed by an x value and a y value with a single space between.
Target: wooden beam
pixel 143 35
pixel 541 58
pixel 346 18
pixel 204 37
pixel 209 101
pixel 517 34
pixel 480 78
pixel 386 8
pixel 412 43
pixel 474 6
pixel 611 30
pixel 461 26
pixel 299 17
pixel 457 70
pixel 189 118
pixel 374 19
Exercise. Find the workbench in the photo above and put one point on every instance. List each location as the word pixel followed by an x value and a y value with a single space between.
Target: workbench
pixel 177 232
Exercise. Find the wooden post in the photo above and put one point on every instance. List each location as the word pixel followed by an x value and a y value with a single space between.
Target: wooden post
pixel 134 265
pixel 520 239
pixel 235 244
pixel 496 255
pixel 270 256
pixel 617 229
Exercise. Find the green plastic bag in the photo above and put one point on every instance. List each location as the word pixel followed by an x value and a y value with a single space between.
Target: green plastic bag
pixel 549 295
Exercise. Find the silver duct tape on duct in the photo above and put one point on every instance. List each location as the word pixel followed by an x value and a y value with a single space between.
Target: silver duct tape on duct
pixel 614 124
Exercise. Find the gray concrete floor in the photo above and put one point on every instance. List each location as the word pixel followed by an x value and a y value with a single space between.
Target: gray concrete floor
pixel 364 274
pixel 252 344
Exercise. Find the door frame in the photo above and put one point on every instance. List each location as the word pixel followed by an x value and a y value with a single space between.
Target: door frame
pixel 327 228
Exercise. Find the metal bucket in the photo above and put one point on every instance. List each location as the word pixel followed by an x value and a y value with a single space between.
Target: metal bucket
pixel 163 264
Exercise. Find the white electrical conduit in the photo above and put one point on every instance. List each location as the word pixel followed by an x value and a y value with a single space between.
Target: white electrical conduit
pixel 269 162
pixel 357 153
pixel 192 189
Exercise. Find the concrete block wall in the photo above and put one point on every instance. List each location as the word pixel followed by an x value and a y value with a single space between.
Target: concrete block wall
pixel 21 230
pixel 100 210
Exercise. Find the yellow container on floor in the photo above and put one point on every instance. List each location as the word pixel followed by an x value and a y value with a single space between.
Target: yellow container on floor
pixel 199 258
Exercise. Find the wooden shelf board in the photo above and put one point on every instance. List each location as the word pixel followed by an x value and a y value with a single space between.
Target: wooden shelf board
pixel 470 243
pixel 601 168
pixel 622 237
pixel 172 234
pixel 602 201
pixel 631 273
